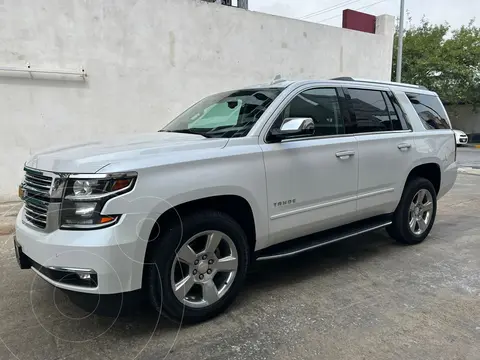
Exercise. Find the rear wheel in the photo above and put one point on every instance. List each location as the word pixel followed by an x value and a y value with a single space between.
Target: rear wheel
pixel 198 267
pixel 414 217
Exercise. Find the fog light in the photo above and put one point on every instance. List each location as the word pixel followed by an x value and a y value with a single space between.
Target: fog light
pixel 85 276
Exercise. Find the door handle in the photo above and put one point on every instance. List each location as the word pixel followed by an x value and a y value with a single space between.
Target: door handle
pixel 404 146
pixel 344 155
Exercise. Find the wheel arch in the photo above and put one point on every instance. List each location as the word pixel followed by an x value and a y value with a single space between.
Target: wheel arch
pixel 238 205
pixel 430 171
pixel 235 206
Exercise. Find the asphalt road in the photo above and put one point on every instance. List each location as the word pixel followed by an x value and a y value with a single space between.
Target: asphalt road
pixel 468 157
pixel 365 298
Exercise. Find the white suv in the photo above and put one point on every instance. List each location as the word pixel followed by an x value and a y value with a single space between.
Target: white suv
pixel 252 174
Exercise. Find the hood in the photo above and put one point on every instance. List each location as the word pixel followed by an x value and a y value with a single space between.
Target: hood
pixel 459 132
pixel 92 156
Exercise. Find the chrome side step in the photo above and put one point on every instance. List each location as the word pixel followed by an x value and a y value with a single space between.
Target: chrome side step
pixel 307 243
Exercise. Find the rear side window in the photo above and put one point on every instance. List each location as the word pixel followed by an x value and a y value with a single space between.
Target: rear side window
pixel 370 110
pixel 430 110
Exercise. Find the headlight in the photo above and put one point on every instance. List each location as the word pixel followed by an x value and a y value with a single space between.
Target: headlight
pixel 85 198
pixel 83 187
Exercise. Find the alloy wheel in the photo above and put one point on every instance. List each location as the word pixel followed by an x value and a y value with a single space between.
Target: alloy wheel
pixel 420 211
pixel 204 269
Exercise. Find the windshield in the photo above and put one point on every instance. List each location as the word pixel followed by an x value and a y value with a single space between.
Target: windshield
pixel 228 114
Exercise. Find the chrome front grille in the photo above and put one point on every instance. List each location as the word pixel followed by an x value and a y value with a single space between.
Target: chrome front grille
pixel 36 212
pixel 38 183
pixel 37 187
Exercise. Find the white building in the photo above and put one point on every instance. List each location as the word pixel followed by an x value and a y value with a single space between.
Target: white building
pixel 146 60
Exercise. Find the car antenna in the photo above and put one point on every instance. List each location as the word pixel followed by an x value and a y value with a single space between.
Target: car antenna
pixel 276 79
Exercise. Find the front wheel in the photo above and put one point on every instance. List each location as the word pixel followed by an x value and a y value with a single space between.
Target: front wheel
pixel 414 217
pixel 198 267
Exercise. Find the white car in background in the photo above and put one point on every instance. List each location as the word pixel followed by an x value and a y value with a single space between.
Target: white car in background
pixel 460 137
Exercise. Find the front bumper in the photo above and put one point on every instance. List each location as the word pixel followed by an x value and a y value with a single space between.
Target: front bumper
pixel 115 255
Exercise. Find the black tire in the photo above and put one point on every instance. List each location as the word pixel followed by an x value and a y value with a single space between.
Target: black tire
pixel 162 254
pixel 400 229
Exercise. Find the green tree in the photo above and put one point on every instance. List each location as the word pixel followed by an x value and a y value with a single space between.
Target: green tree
pixel 442 59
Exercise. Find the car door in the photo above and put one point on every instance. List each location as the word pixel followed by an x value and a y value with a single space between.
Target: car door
pixel 311 180
pixel 385 145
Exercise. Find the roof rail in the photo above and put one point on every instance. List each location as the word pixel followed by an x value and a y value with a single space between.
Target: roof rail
pixel 348 78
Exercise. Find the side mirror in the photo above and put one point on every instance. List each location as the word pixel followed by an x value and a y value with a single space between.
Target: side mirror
pixel 293 127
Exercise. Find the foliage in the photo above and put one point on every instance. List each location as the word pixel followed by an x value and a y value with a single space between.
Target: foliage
pixel 442 59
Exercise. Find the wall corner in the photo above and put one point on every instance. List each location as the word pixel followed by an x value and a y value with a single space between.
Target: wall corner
pixel 385 25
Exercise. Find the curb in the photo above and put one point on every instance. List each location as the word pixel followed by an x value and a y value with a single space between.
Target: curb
pixel 468 171
pixel 475 146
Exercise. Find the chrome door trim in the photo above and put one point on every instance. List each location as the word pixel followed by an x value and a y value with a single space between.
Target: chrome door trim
pixel 375 193
pixel 330 203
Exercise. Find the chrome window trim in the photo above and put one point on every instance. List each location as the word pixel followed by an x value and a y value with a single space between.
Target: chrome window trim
pixel 305 87
pixel 314 138
pixel 344 135
pixel 383 132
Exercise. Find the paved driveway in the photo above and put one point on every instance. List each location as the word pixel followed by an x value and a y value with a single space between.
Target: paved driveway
pixel 365 298
pixel 468 157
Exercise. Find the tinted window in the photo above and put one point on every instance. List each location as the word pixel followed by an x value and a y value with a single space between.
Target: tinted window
pixel 370 110
pixel 319 104
pixel 400 113
pixel 430 110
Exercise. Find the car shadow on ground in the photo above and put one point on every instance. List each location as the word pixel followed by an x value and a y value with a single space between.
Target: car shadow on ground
pixel 127 316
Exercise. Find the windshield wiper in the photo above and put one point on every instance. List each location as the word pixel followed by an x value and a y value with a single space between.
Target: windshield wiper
pixel 188 131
